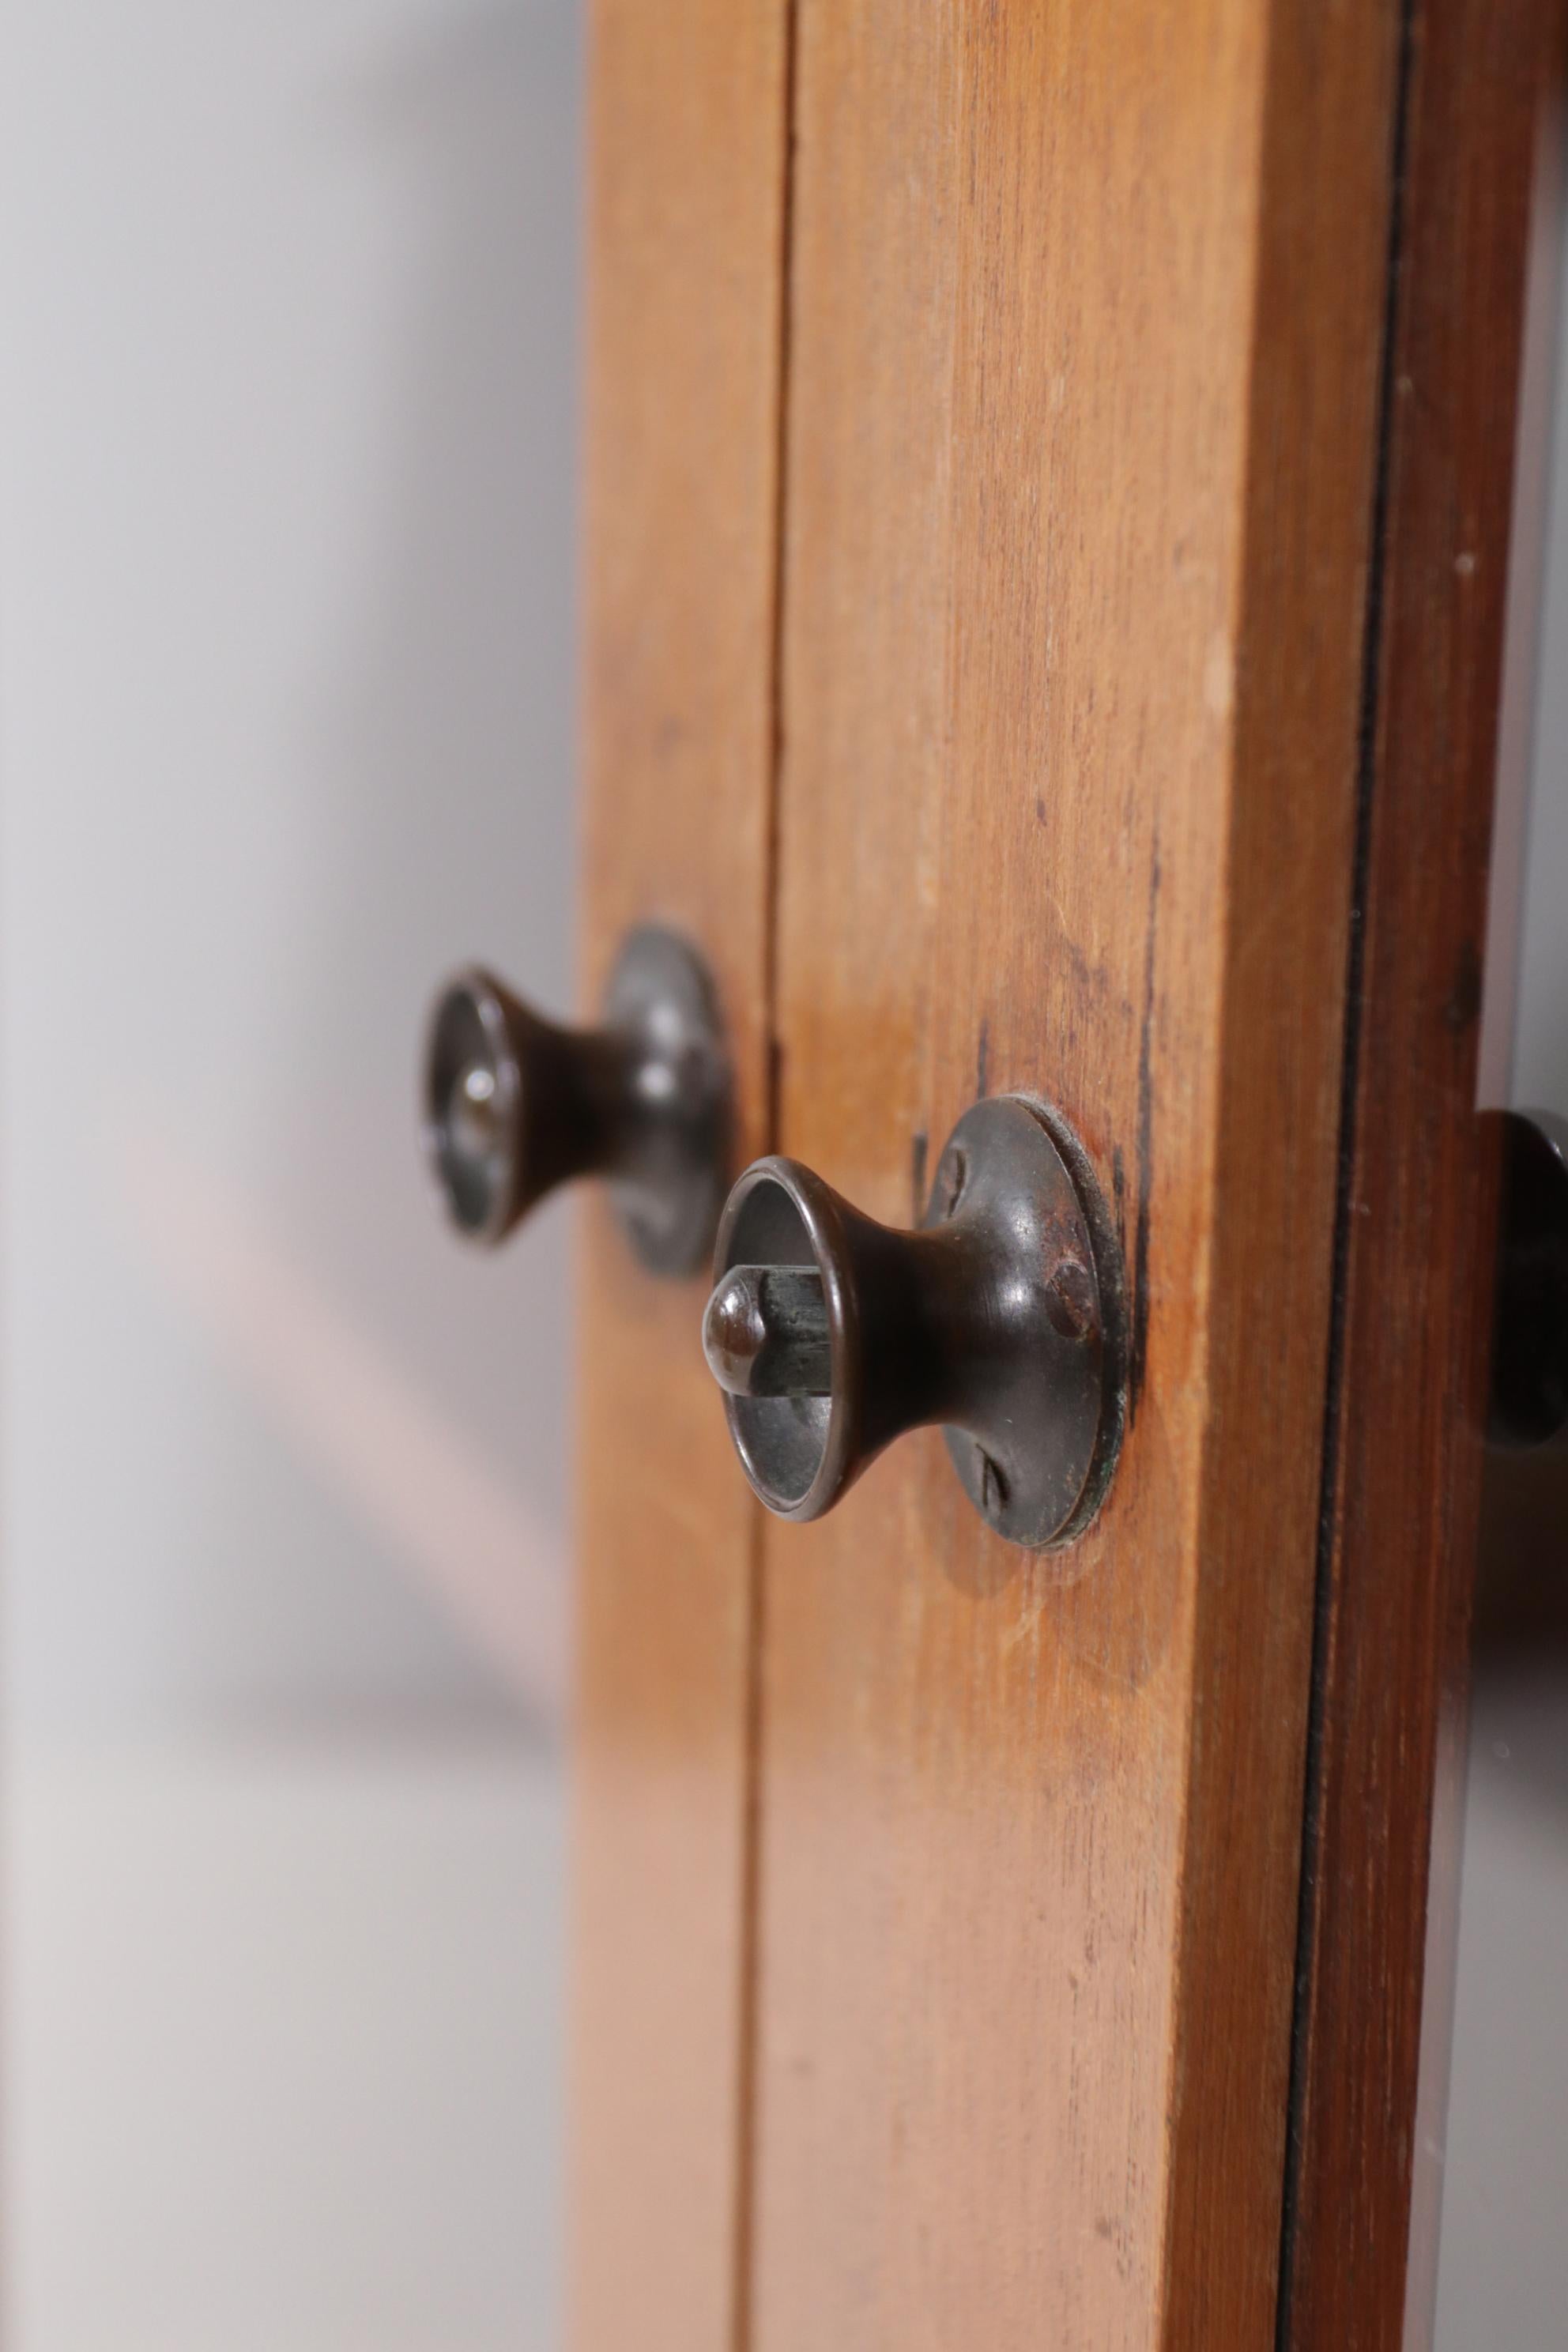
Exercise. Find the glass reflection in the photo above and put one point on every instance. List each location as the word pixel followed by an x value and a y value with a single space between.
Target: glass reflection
pixel 286 453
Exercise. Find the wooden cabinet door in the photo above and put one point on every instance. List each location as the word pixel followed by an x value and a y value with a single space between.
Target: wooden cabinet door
pixel 1048 477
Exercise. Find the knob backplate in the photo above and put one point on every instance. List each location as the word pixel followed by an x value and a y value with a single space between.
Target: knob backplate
pixel 1039 1472
pixel 671 1187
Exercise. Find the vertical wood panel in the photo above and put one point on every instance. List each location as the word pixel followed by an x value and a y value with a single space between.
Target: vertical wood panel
pixel 1409 1401
pixel 1085 322
pixel 685 250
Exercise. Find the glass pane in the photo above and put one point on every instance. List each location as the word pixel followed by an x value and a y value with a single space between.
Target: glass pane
pixel 287 457
pixel 1503 2253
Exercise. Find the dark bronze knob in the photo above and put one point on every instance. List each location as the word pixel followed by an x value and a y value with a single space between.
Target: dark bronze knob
pixel 515 1104
pixel 1002 1318
pixel 1529 1343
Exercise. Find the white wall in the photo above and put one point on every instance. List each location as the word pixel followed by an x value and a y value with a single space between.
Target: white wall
pixel 1539 1057
pixel 287 480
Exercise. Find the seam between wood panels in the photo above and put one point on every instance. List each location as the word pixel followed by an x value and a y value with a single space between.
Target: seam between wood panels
pixel 750 1880
pixel 1328 1519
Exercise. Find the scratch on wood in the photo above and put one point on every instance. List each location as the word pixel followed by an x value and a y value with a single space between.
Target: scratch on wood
pixel 983 1063
pixel 917 1172
pixel 1138 1349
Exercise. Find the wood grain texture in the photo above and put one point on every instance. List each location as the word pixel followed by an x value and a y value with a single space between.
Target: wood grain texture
pixel 1085 321
pixel 686 209
pixel 1408 1400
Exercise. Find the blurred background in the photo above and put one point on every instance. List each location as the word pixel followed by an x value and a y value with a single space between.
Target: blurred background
pixel 1503 2255
pixel 287 390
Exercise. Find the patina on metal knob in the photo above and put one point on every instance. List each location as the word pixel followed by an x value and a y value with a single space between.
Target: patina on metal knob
pixel 1001 1319
pixel 514 1104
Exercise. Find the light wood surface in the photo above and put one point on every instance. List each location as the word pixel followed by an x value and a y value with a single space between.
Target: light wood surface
pixel 1084 329
pixel 937 1908
pixel 685 245
pixel 1404 1460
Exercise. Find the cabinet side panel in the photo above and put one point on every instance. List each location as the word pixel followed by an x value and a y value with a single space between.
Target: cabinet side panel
pixel 1402 1502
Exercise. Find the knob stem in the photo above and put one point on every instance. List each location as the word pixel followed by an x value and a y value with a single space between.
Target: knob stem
pixel 765 1332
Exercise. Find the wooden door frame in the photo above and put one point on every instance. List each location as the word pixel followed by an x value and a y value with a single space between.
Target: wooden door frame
pixel 1412 1280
